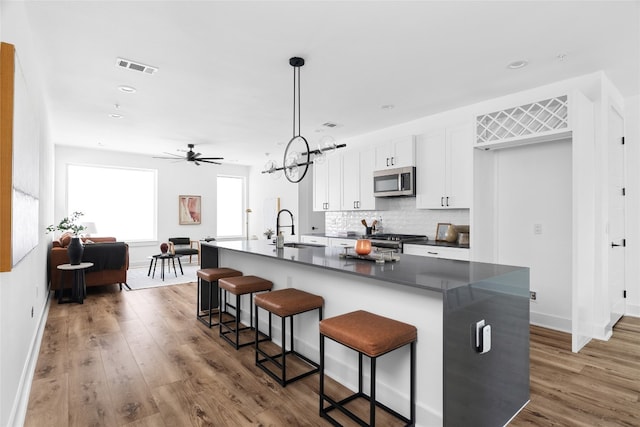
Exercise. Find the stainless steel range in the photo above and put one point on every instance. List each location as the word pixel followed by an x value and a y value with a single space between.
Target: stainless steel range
pixel 393 241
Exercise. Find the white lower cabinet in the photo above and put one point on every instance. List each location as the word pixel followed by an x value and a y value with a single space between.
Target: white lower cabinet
pixel 318 240
pixel 341 243
pixel 462 254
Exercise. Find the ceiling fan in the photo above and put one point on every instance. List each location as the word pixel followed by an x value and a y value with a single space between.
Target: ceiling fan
pixel 192 156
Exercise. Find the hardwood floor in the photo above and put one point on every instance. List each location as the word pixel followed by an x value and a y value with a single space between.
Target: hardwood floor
pixel 142 359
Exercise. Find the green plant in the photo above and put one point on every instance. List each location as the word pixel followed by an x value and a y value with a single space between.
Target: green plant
pixel 268 233
pixel 68 224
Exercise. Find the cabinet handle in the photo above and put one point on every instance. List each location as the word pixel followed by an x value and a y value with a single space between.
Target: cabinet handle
pixel 432 253
pixel 392 161
pixel 441 201
pixel 447 200
pixel 387 161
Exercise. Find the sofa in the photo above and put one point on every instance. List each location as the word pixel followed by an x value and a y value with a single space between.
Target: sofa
pixel 106 254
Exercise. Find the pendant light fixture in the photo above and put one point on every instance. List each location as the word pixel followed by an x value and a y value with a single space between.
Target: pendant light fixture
pixel 297 156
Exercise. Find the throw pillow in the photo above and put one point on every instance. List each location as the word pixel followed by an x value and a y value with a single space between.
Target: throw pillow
pixel 65 238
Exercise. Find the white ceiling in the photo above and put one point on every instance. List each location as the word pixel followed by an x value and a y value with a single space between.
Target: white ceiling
pixel 225 83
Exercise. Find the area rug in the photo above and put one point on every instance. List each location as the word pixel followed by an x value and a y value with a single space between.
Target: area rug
pixel 137 277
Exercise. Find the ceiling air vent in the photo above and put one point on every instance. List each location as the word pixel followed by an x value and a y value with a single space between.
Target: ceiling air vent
pixel 329 124
pixel 135 66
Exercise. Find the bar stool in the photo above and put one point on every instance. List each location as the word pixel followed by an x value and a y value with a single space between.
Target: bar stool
pixel 211 275
pixel 285 303
pixel 239 286
pixel 374 336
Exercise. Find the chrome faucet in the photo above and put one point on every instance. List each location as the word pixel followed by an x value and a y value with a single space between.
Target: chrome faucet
pixel 278 226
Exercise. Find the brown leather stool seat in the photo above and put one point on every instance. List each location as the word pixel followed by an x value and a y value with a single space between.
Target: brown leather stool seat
pixel 238 286
pixel 285 303
pixel 373 336
pixel 211 276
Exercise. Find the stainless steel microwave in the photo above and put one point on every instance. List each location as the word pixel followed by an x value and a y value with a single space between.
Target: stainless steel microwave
pixel 394 182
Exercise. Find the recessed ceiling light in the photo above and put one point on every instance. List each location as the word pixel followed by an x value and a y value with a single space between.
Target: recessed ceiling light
pixel 116 116
pixel 388 107
pixel 521 63
pixel 127 89
pixel 561 56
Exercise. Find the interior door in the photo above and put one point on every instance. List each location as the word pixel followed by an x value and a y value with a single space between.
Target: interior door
pixel 616 217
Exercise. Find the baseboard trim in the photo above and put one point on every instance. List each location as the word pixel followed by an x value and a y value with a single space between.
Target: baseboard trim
pixel 632 310
pixel 19 410
pixel 551 322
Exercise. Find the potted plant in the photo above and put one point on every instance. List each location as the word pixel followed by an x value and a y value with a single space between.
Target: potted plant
pixel 268 233
pixel 70 224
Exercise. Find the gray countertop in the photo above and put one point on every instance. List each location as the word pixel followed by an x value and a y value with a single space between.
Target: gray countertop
pixel 428 273
pixel 421 243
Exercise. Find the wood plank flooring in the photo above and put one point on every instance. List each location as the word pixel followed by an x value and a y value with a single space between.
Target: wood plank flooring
pixel 142 359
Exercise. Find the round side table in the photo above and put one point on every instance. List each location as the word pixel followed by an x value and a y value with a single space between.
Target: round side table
pixel 78 286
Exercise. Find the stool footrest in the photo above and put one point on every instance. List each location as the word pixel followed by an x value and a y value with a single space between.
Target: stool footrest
pixel 272 358
pixel 340 405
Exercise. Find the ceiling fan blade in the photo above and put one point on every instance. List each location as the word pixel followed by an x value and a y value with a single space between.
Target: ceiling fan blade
pixel 169 158
pixel 209 161
pixel 211 158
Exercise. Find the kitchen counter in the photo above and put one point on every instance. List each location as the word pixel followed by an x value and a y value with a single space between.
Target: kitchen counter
pixel 419 272
pixel 444 299
pixel 428 242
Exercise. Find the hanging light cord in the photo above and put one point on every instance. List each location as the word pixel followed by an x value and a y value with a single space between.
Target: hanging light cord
pixel 296 80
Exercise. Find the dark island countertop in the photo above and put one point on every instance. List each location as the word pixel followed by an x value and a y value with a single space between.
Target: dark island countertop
pixel 433 274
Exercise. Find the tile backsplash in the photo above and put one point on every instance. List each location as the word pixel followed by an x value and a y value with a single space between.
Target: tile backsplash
pixel 399 215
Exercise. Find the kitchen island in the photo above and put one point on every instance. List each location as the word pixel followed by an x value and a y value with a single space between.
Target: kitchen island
pixel 456 383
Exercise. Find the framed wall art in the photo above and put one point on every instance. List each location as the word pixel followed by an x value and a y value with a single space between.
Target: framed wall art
pixel 189 211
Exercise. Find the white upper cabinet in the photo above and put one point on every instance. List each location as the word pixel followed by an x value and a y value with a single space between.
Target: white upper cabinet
pixel 398 153
pixel 444 168
pixel 357 180
pixel 327 184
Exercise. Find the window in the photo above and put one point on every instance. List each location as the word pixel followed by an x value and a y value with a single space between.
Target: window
pixel 120 201
pixel 230 206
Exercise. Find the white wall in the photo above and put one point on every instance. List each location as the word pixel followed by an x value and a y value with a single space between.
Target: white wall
pixel 632 158
pixel 533 187
pixel 263 189
pixel 174 179
pixel 24 289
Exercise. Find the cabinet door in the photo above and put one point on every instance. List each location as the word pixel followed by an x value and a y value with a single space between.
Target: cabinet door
pixel 367 166
pixel 334 181
pixel 396 154
pixel 403 152
pixel 383 157
pixel 351 178
pixel 320 186
pixel 461 254
pixel 459 166
pixel 431 170
pixel 318 240
pixel 342 243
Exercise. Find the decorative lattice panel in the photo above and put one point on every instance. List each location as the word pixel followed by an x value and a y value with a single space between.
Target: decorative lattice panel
pixel 525 120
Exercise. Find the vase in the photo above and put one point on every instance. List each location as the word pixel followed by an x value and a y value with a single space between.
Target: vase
pixel 75 250
pixel 164 248
pixel 363 246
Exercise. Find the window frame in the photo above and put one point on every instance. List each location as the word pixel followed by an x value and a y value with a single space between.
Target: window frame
pixel 243 180
pixel 154 227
